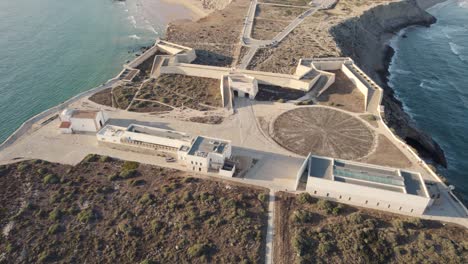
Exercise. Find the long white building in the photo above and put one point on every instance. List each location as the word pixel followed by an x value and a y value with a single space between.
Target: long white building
pixel 365 185
pixel 196 153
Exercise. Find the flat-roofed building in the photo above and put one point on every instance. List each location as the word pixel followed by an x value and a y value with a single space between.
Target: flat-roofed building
pixel 144 139
pixel 206 154
pixel 74 120
pixel 366 185
pixel 200 154
pixel 242 85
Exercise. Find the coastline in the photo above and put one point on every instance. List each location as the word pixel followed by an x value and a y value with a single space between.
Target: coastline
pixel 41 117
pixel 390 20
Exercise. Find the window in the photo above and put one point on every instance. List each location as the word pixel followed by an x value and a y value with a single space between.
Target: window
pixel 367 201
pixel 328 194
pixel 340 196
pixel 315 192
pixel 201 164
pixel 378 204
pixel 400 208
pixel 196 162
pixel 191 162
pixel 349 199
pixel 388 206
pixel 199 169
pixel 412 210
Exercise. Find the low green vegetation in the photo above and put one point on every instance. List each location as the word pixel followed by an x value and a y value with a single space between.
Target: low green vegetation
pixel 322 231
pixel 113 220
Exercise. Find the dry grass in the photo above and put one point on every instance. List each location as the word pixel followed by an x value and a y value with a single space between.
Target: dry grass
pixel 267 29
pixel 387 154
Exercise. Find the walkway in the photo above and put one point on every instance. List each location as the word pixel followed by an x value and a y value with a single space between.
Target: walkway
pixel 270 228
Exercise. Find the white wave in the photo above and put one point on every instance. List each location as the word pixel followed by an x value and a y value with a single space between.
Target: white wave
pixel 459 51
pixel 428 85
pixel 400 71
pixel 134 37
pixel 463 4
pixel 132 20
pixel 126 10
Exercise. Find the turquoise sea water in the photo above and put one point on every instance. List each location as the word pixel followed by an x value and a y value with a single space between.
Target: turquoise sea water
pixel 429 74
pixel 51 50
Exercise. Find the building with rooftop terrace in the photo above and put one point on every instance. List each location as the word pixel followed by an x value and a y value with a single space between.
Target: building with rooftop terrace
pixel 196 153
pixel 206 154
pixel 366 185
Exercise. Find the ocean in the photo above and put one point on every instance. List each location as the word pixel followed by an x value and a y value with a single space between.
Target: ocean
pixel 51 50
pixel 429 74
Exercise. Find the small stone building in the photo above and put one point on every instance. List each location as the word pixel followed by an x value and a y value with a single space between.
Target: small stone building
pixel 74 120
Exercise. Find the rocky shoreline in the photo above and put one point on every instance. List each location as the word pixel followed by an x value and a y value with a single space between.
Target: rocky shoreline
pixel 366 40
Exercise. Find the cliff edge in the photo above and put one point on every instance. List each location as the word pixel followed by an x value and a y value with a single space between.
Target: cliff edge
pixel 366 40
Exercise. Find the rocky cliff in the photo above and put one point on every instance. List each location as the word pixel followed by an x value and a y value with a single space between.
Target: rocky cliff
pixel 365 39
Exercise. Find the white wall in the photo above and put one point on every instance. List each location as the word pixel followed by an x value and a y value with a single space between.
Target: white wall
pixel 359 85
pixel 83 125
pixel 358 195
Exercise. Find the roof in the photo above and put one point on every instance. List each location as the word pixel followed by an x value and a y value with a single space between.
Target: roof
pixel 65 124
pixel 202 146
pixel 373 176
pixel 84 114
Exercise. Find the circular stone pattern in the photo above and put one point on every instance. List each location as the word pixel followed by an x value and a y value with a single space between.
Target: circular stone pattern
pixel 323 131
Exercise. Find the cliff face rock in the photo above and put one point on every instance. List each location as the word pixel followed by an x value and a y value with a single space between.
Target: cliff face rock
pixel 215 4
pixel 365 39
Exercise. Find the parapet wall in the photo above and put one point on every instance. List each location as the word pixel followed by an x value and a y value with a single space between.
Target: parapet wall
pixel 359 85
pixel 142 58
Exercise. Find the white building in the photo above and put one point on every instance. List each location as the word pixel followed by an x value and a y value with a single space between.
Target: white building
pixel 206 154
pixel 200 154
pixel 365 185
pixel 242 85
pixel 74 120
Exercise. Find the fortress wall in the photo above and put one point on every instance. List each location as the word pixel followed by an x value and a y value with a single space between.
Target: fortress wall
pixel 361 87
pixel 196 70
pixel 143 57
pixel 213 72
pixel 283 80
pixel 328 65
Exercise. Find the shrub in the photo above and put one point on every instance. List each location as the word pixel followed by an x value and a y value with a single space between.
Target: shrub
pixel 148 261
pixel 51 179
pixel 105 159
pixel 87 215
pixel 113 177
pixel 302 216
pixel 325 205
pixel 130 165
pixel 55 214
pixel 147 199
pixel 127 174
pixel 281 100
pixel 91 158
pixel 198 250
pixel 54 229
pixel 262 197
pixel 3 170
pixel 304 198
pixel 23 166
pixel 42 171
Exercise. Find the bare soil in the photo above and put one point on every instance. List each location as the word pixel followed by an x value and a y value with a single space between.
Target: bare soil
pixel 149 107
pixel 287 2
pixel 278 12
pixel 214 37
pixel 266 29
pixel 387 154
pixel 323 131
pixel 309 230
pixel 96 213
pixel 213 120
pixel 103 97
pixel 124 94
pixel 343 94
pixel 275 93
pixel 183 91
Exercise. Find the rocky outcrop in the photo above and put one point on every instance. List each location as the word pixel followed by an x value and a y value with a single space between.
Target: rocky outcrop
pixel 365 39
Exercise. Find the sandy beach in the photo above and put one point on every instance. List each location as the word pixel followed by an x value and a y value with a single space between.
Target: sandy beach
pixel 162 12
